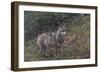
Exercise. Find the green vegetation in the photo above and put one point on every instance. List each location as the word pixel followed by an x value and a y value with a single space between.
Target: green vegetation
pixel 77 41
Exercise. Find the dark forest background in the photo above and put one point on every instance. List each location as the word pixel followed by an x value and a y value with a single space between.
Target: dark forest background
pixel 77 42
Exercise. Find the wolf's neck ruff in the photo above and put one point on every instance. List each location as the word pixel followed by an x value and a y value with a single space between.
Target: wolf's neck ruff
pixel 59 37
